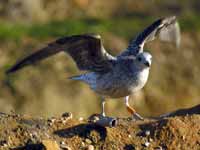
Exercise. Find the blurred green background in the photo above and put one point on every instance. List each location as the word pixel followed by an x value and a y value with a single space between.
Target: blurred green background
pixel 26 25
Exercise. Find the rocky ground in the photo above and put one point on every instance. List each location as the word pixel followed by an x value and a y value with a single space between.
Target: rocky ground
pixel 176 130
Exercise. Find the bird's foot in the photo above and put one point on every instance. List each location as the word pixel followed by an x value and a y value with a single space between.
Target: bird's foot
pixel 136 116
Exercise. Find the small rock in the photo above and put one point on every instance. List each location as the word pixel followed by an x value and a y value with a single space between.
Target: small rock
pixel 63 121
pixel 34 137
pixel 150 140
pixel 67 115
pixel 83 144
pixel 49 124
pixel 51 121
pixel 50 145
pixel 183 137
pixel 90 147
pixel 88 141
pixel 147 133
pixel 146 144
pixel 62 142
pixel 3 143
pixel 129 136
pixel 65 147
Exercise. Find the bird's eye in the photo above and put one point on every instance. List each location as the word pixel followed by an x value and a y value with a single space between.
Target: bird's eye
pixel 139 58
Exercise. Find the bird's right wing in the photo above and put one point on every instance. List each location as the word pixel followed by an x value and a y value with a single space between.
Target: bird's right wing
pixel 37 56
pixel 86 50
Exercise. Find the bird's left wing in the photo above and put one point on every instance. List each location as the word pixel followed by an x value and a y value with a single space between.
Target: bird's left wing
pixel 166 29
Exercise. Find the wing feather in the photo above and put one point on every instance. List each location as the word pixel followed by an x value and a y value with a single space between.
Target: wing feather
pixel 166 29
pixel 86 50
pixel 41 54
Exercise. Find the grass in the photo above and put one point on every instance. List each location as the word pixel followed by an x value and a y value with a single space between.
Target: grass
pixel 125 27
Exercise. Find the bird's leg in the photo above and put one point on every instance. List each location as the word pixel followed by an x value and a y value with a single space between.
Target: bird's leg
pixel 132 110
pixel 103 106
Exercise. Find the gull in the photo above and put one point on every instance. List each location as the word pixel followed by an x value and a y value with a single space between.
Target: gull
pixel 110 76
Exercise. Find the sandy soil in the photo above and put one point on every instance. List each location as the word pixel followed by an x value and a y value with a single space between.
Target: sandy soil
pixel 176 130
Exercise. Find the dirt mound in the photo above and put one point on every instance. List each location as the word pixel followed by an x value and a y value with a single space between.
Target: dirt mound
pixel 176 130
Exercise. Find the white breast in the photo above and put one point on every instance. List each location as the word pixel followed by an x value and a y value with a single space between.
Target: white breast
pixel 140 80
pixel 144 76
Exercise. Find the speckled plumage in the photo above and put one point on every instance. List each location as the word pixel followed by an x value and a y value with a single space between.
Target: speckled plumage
pixel 107 75
pixel 125 77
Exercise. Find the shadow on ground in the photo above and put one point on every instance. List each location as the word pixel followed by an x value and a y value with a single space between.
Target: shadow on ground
pixel 176 130
pixel 83 131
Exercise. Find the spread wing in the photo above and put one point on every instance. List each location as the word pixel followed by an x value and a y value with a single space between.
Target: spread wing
pixel 166 29
pixel 86 50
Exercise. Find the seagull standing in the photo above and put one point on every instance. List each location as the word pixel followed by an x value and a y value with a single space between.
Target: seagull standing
pixel 107 75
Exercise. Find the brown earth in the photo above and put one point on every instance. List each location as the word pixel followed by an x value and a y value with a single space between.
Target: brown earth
pixel 176 130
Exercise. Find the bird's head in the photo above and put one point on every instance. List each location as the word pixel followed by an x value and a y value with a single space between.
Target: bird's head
pixel 144 59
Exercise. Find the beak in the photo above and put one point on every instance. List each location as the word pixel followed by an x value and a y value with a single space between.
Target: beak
pixel 147 64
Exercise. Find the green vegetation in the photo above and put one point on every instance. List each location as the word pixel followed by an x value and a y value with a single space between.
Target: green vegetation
pixel 9 31
pixel 124 27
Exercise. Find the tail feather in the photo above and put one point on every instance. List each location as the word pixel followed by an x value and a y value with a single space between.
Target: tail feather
pixel 78 77
pixel 88 78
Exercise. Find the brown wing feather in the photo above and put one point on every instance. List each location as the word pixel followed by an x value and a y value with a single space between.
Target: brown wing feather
pixel 86 50
pixel 41 54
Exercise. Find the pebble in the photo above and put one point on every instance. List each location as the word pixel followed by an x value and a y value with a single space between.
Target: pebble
pixel 147 133
pixel 150 140
pixel 82 144
pixel 146 144
pixel 3 143
pixel 88 141
pixel 63 121
pixel 64 146
pixel 49 124
pixel 51 121
pixel 62 142
pixel 183 137
pixel 90 147
pixel 67 115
